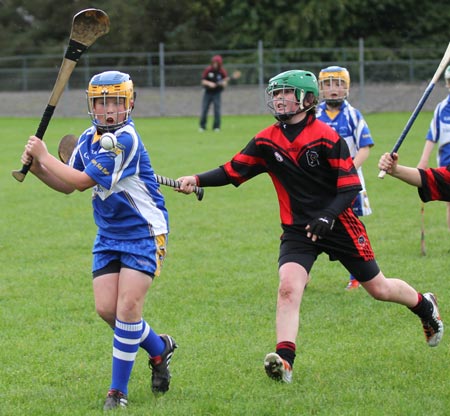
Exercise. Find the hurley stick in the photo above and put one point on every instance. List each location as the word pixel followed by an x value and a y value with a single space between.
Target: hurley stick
pixel 87 26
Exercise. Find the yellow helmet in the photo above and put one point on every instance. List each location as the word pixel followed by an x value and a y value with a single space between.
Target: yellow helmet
pixel 110 84
pixel 329 74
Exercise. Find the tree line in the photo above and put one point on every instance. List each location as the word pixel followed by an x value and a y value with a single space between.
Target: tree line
pixel 43 26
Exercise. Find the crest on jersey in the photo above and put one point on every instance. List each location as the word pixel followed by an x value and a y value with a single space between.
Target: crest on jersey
pixel 312 158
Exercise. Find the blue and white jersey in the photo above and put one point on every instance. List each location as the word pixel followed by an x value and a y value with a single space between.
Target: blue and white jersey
pixel 127 200
pixel 439 131
pixel 351 126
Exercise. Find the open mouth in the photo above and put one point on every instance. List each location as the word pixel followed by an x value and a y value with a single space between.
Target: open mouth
pixel 281 106
pixel 110 120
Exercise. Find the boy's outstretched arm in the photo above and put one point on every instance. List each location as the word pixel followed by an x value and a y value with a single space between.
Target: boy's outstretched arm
pixel 389 163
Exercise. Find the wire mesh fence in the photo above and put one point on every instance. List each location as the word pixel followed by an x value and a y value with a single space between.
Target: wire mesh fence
pixel 166 73
pixel 183 68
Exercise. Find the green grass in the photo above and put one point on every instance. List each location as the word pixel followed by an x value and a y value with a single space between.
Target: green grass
pixel 217 292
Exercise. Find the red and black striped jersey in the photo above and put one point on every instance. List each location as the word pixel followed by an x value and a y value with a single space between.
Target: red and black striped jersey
pixel 435 184
pixel 308 171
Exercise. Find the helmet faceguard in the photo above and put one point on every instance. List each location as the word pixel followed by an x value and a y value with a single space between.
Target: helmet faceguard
pixel 447 77
pixel 334 85
pixel 305 90
pixel 109 84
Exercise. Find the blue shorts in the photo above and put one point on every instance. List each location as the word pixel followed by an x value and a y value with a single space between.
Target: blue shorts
pixel 146 255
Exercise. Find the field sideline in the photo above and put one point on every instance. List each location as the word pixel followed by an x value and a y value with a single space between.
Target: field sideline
pixel 216 294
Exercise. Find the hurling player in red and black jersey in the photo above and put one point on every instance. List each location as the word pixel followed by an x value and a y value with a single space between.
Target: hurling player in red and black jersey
pixel 316 182
pixel 433 183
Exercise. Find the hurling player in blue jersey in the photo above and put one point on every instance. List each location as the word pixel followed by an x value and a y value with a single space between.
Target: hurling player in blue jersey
pixel 337 112
pixel 132 221
pixel 316 182
pixel 439 132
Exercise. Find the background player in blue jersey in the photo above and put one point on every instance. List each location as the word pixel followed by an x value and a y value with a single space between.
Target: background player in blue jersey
pixel 337 112
pixel 316 181
pixel 132 221
pixel 439 132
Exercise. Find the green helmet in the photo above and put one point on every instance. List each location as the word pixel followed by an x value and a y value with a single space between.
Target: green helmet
pixel 302 82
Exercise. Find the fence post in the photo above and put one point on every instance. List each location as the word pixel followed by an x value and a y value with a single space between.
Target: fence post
pixel 361 72
pixel 261 74
pixel 149 70
pixel 162 81
pixel 411 66
pixel 24 74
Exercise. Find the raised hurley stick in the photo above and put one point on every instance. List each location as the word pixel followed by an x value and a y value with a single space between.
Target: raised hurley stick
pixel 87 26
pixel 427 92
pixel 163 180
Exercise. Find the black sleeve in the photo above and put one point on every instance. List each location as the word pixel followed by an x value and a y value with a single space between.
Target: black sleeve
pixel 214 177
pixel 423 190
pixel 342 201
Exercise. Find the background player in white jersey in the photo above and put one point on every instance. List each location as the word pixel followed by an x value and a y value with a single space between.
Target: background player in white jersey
pixel 132 221
pixel 439 132
pixel 337 112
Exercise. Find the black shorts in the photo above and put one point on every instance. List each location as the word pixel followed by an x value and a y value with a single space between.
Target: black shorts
pixel 352 251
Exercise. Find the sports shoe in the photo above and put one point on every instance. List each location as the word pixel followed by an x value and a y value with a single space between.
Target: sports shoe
pixel 352 284
pixel 115 399
pixel 433 327
pixel 160 366
pixel 277 368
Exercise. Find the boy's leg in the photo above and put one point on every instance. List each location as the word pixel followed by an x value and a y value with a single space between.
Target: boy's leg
pixel 424 306
pixel 217 111
pixel 206 101
pixel 293 279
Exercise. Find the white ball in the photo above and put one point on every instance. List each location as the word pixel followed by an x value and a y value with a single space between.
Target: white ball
pixel 108 141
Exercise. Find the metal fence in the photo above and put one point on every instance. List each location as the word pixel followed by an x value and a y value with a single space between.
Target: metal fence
pixel 183 68
pixel 169 81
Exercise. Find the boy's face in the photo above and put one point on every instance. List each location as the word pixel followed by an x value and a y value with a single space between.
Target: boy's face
pixel 285 101
pixel 333 89
pixel 110 110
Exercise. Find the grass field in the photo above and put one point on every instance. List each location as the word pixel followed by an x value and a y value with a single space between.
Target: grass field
pixel 216 295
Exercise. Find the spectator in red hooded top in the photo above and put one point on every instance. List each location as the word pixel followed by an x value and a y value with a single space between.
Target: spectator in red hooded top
pixel 214 80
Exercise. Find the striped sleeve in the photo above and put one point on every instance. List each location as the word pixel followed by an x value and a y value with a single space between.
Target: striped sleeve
pixel 435 184
pixel 245 165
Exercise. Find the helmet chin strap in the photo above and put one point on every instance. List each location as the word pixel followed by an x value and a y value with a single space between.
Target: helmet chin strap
pixel 287 116
pixel 334 103
pixel 284 117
